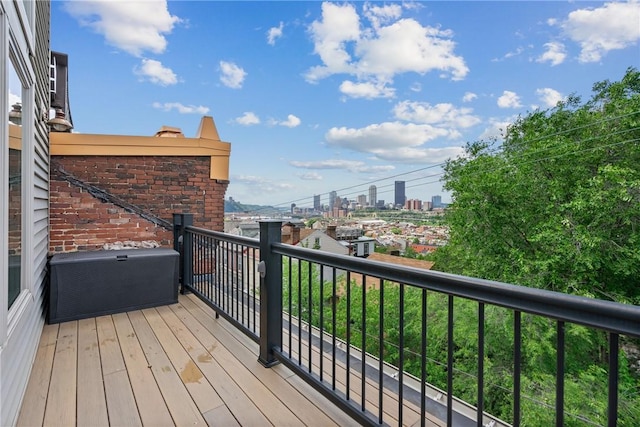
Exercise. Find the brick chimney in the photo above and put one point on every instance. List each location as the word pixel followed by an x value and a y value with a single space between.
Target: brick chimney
pixel 331 231
pixel 295 235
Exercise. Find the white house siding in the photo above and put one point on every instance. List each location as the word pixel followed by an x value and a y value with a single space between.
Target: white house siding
pixel 327 244
pixel 24 31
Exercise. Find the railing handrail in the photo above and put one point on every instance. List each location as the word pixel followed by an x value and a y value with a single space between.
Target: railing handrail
pixel 599 314
pixel 240 240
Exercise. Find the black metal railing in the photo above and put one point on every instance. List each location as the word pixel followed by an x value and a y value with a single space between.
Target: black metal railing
pixel 385 342
pixel 221 269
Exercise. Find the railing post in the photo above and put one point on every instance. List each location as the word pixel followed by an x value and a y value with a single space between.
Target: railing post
pixel 182 244
pixel 270 292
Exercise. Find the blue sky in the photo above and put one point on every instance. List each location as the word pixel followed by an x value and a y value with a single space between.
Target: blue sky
pixel 320 96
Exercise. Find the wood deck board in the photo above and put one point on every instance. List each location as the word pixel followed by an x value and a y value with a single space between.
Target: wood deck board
pixel 259 393
pixel 121 404
pixel 38 386
pixel 202 393
pixel 182 408
pixel 92 406
pixel 140 368
pixel 151 406
pixel 305 411
pixel 61 402
pixel 243 409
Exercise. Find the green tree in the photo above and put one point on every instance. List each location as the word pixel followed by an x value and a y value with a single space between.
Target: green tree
pixel 556 205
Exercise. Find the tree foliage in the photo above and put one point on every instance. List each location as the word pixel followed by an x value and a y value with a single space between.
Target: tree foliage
pixel 556 205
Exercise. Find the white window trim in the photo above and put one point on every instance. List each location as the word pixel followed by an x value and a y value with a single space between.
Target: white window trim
pixel 4 167
pixel 16 47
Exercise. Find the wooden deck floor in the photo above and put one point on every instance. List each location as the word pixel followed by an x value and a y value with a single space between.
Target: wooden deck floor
pixel 172 365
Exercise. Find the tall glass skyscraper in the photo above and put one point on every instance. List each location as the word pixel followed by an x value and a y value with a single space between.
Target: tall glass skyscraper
pixel 373 195
pixel 332 200
pixel 400 196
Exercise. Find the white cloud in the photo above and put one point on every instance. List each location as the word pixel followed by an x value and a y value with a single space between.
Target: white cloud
pixel 392 141
pixel 339 25
pixel 613 26
pixel 180 108
pixel 469 96
pixel 407 46
pixel 155 72
pixel 232 75
pixel 14 99
pixel 421 155
pixel 348 165
pixel 367 90
pixel 257 185
pixel 511 54
pixel 416 87
pixel 509 100
pixel 497 128
pixel 377 53
pixel 549 97
pixel 134 27
pixel 555 53
pixel 274 33
pixel 291 122
pixel 443 115
pixel 311 176
pixel 379 15
pixel 247 119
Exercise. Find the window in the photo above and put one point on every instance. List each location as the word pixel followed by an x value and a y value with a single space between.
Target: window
pixel 14 183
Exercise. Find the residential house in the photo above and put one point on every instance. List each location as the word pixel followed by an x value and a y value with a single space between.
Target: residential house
pixel 363 247
pixel 322 241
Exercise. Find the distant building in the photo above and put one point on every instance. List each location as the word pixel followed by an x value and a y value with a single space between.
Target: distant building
pixel 362 200
pixel 373 195
pixel 332 200
pixel 436 202
pixel 400 196
pixel 363 247
pixel 324 242
pixel 413 204
pixel 316 203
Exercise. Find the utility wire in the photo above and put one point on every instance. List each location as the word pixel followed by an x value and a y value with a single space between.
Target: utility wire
pixel 522 143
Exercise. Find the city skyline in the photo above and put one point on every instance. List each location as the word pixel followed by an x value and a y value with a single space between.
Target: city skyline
pixel 321 96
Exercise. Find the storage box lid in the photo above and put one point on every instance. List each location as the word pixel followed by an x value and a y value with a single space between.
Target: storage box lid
pixel 72 257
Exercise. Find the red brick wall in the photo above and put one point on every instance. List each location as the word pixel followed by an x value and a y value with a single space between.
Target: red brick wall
pixel 159 186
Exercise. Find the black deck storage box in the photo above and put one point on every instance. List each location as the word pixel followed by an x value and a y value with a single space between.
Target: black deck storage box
pixel 90 284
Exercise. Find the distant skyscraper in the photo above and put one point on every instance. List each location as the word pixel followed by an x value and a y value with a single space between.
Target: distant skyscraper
pixel 332 200
pixel 362 200
pixel 436 202
pixel 316 203
pixel 373 195
pixel 400 196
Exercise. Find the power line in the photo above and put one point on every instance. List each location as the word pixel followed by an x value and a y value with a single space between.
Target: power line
pixel 522 143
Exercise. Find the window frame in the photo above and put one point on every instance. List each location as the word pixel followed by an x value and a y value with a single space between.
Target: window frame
pixel 16 43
